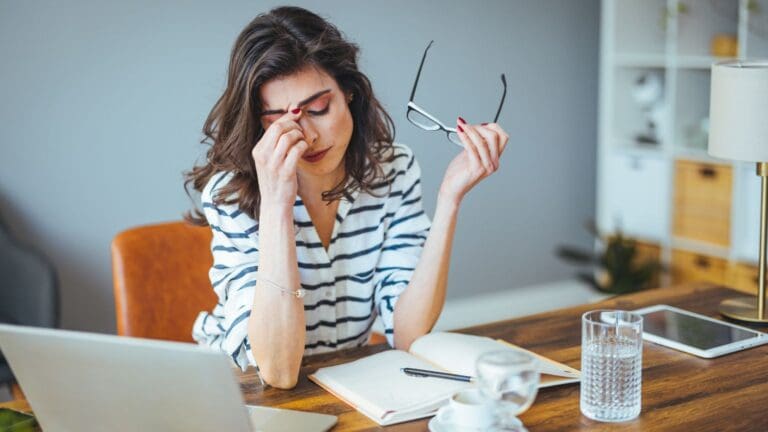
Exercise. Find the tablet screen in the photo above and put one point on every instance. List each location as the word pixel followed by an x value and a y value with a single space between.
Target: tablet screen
pixel 692 331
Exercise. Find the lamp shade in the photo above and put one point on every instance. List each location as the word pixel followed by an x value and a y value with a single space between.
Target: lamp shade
pixel 738 110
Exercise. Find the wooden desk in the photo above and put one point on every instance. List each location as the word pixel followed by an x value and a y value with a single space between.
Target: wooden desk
pixel 680 391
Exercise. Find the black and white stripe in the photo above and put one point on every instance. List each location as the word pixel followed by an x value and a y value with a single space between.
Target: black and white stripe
pixel 375 246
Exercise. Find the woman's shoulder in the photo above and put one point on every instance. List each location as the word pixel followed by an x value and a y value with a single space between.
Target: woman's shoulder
pixel 399 170
pixel 214 185
pixel 216 211
pixel 399 158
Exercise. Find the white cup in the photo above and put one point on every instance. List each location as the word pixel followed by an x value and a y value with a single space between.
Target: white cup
pixel 470 409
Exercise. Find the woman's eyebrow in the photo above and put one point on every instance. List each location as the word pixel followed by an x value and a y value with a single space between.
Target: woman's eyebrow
pixel 301 104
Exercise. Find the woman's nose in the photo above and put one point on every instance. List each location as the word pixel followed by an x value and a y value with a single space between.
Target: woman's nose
pixel 310 133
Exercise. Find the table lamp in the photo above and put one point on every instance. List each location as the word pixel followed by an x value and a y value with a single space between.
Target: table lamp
pixel 738 130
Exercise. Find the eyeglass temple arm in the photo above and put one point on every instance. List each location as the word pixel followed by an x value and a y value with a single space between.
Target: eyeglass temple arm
pixel 418 74
pixel 503 96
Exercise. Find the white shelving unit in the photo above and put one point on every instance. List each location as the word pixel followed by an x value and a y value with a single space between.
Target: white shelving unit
pixel 636 182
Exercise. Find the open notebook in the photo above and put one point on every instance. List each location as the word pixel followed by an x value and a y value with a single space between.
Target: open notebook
pixel 377 387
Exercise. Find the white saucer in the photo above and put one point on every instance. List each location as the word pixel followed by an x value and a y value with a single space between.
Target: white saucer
pixel 436 425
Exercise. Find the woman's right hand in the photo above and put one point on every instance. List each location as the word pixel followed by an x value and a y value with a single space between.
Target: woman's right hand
pixel 276 156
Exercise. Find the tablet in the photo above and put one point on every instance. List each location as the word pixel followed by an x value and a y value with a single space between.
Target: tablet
pixel 696 334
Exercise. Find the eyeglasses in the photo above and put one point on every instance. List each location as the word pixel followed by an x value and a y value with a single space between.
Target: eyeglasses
pixel 421 118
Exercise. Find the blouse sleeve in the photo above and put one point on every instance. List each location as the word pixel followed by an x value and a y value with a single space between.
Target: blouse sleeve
pixel 233 276
pixel 403 241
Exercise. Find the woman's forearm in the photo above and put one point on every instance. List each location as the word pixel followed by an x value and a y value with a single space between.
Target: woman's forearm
pixel 276 327
pixel 420 304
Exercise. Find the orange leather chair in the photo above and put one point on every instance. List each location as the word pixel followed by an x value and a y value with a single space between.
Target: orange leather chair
pixel 161 280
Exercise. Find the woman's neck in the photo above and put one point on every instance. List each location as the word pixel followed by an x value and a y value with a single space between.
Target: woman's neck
pixel 311 187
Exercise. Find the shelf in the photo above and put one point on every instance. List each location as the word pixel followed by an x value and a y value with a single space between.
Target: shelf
pixel 641 26
pixel 746 260
pixel 629 116
pixel 661 61
pixel 642 238
pixel 698 155
pixel 639 185
pixel 691 108
pixel 629 149
pixel 696 62
pixel 640 60
pixel 757 31
pixel 701 22
pixel 700 247
pixel 636 200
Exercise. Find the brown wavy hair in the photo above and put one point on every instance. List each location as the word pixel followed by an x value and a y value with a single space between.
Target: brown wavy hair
pixel 279 43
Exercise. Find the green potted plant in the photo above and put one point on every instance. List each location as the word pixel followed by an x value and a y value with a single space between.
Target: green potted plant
pixel 615 267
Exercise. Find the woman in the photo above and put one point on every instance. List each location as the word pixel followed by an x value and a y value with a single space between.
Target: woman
pixel 306 193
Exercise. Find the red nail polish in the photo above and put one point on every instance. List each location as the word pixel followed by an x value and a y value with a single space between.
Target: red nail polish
pixel 461 129
pixel 296 111
pixel 483 124
pixel 462 121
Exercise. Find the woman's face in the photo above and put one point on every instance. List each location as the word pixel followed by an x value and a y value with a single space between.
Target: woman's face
pixel 326 119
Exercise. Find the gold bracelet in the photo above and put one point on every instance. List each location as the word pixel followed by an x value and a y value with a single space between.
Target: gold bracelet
pixel 299 293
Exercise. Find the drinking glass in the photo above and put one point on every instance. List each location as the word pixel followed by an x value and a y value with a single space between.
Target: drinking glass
pixel 611 365
pixel 510 380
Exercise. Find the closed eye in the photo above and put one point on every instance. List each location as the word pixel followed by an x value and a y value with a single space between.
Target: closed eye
pixel 324 111
pixel 319 107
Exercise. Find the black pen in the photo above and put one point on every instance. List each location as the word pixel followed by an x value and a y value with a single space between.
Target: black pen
pixel 436 374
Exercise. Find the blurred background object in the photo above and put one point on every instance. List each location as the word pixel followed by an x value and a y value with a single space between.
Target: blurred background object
pixel 725 45
pixel 29 289
pixel 700 213
pixel 648 92
pixel 618 266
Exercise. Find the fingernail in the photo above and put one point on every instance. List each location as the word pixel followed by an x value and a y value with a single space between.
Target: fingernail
pixel 461 129
pixel 462 121
pixel 296 111
pixel 483 124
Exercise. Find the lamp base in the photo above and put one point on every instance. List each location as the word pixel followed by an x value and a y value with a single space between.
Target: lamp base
pixel 742 309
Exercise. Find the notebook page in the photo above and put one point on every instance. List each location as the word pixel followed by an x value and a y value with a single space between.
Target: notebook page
pixel 548 366
pixel 377 387
pixel 458 353
pixel 454 352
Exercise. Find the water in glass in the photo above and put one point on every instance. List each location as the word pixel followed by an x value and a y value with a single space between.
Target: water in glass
pixel 611 365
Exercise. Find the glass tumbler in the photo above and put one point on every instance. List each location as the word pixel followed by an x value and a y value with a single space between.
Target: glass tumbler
pixel 510 380
pixel 611 365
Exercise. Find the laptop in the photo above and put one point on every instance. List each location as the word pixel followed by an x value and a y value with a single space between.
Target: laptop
pixel 77 381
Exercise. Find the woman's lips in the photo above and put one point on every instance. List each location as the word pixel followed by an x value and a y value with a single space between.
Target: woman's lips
pixel 315 157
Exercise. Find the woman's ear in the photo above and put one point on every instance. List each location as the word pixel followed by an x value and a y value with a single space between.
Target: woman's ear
pixel 350 96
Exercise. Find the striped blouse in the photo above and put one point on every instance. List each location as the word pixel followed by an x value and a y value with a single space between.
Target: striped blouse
pixel 374 249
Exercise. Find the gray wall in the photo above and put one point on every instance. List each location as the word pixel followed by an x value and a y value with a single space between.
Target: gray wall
pixel 101 106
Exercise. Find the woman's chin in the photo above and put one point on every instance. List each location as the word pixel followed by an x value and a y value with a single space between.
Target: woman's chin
pixel 322 168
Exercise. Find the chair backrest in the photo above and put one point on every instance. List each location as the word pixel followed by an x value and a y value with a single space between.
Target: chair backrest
pixel 29 288
pixel 161 280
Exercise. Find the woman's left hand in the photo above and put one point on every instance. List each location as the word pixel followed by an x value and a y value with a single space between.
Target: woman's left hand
pixel 483 146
